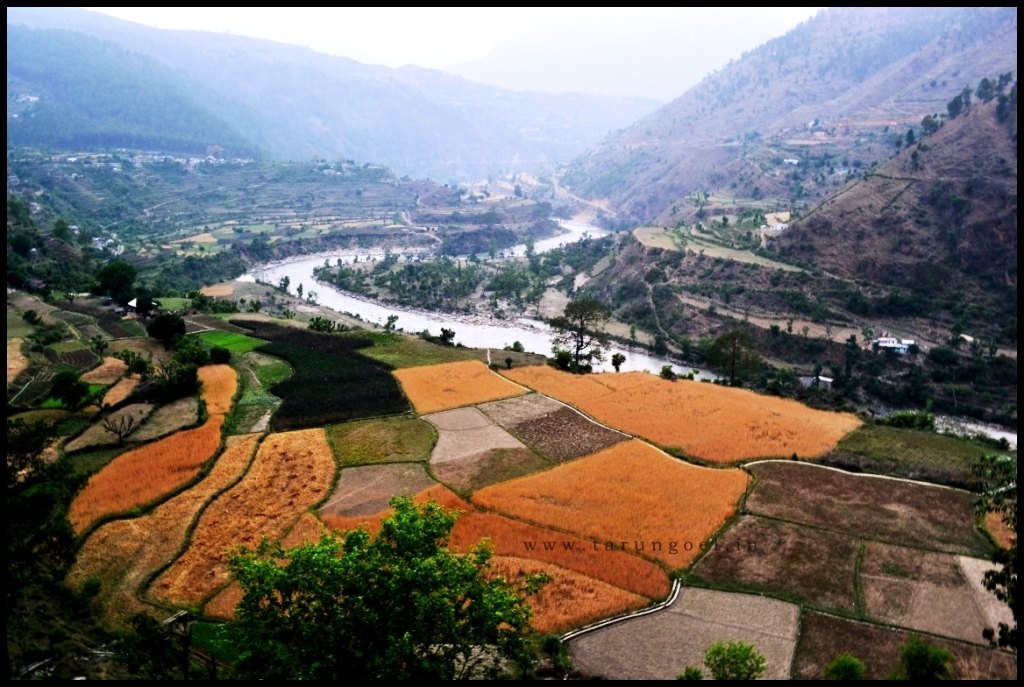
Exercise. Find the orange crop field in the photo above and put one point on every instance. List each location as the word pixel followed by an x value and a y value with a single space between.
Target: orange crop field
pixel 630 497
pixel 143 475
pixel 120 391
pixel 432 388
pixel 220 382
pixel 125 552
pixel 713 423
pixel 292 472
pixel 569 599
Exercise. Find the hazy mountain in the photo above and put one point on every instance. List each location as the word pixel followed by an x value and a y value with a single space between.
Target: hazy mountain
pixel 294 103
pixel 835 88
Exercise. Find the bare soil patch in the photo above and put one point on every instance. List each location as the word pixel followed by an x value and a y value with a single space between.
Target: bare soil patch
pixel 169 419
pixel 366 490
pixel 219 290
pixel 566 434
pixel 872 507
pixel 810 566
pixel 148 348
pixel 466 432
pixel 512 411
pixel 482 469
pixel 660 645
pixel 97 436
pixel 823 637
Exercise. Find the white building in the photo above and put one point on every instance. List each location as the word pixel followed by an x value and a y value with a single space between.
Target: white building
pixel 892 343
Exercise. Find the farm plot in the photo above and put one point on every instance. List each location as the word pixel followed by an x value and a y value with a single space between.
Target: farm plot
pixel 629 497
pixel 823 637
pixel 220 382
pixel 236 343
pixel 433 388
pixel 292 472
pixel 72 354
pixel 385 440
pixel 712 423
pixel 332 382
pixel 16 360
pixel 908 453
pixel 368 489
pixel 660 645
pixel 211 322
pixel 473 452
pixel 807 565
pixel 569 599
pixel 890 510
pixel 554 430
pixel 97 435
pixel 399 350
pixel 168 419
pixel 120 391
pixel 141 476
pixel 108 372
pixel 124 553
pixel 937 593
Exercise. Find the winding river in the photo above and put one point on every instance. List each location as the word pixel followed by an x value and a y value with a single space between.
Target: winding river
pixel 474 331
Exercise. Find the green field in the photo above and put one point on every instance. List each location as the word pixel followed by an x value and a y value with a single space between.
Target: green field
pixel 174 303
pixel 385 440
pixel 401 351
pixel 236 343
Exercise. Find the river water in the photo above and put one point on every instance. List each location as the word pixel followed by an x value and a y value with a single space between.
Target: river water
pixel 473 331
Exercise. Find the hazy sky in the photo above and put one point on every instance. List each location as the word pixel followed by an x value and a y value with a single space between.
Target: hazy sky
pixel 698 39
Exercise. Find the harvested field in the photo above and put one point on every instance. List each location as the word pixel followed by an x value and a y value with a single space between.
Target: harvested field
pixel 472 452
pixel 803 564
pixel 1001 533
pixel 570 599
pixel 211 322
pixel 659 646
pixel 120 391
pixel 143 475
pixel 872 507
pixel 124 553
pixel 220 382
pixel 434 388
pixel 308 529
pixel 168 419
pixel 386 440
pixel 108 372
pixel 97 436
pixel 219 290
pixel 368 489
pixel 291 473
pixel 909 453
pixel 630 496
pixel 823 637
pixel 16 361
pixel 148 348
pixel 561 433
pixel 927 591
pixel 713 423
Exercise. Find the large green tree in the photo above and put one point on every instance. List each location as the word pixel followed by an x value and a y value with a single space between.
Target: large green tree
pixel 1000 473
pixel 733 353
pixel 116 279
pixel 397 606
pixel 581 329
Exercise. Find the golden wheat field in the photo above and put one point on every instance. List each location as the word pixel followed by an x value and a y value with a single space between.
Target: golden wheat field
pixel 16 360
pixel 292 471
pixel 143 475
pixel 433 388
pixel 630 497
pixel 125 552
pixel 713 423
pixel 220 382
pixel 569 599
pixel 120 391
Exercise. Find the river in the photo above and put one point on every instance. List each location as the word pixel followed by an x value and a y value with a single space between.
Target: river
pixel 473 331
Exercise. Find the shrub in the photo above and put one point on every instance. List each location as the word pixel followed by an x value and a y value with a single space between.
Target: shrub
pixel 845 667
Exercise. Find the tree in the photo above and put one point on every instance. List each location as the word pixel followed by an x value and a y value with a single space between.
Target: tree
pixel 617 360
pixel 733 353
pixel 167 328
pixel 398 606
pixel 67 388
pixel 115 279
pixel 580 328
pixel 920 661
pixel 120 426
pixel 729 661
pixel 845 667
pixel 1000 472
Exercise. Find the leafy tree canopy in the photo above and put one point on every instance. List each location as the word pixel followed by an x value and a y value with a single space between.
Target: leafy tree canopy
pixel 398 606
pixel 580 328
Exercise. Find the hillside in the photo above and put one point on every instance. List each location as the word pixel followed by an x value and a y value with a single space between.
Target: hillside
pixel 793 118
pixel 293 103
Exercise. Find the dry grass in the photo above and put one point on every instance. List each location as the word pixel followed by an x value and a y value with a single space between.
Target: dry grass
pixel 120 391
pixel 628 497
pixel 168 419
pixel 658 646
pixel 220 382
pixel 123 553
pixel 1001 533
pixel 433 388
pixel 292 472
pixel 569 599
pixel 16 361
pixel 219 290
pixel 713 423
pixel 98 436
pixel 108 372
pixel 143 475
